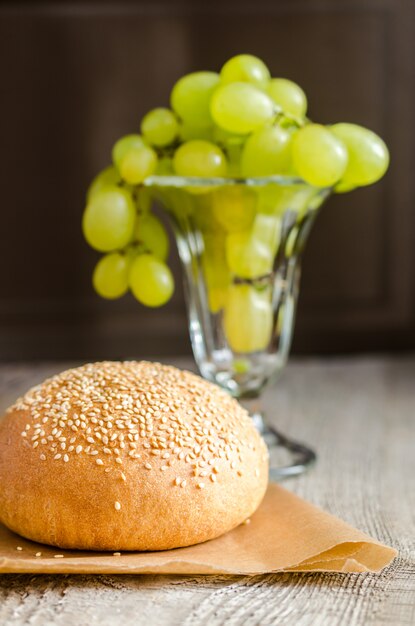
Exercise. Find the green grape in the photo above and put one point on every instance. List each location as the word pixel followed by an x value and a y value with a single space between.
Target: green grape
pixel 150 280
pixel 203 215
pixel 245 68
pixel 108 176
pixel 247 255
pixel 368 155
pixel 224 138
pixel 241 108
pixel 234 208
pixel 214 251
pixel 191 95
pixel 241 366
pixel 343 187
pixel 288 95
pixel 248 319
pixel 194 131
pixel 164 167
pixel 232 144
pixel 160 127
pixel 150 232
pixel 277 199
pixel 177 201
pixel 216 298
pixel 110 277
pixel 108 220
pixel 131 252
pixel 137 164
pixel 123 145
pixel 318 156
pixel 215 270
pixel 199 158
pixel 267 229
pixel 267 152
pixel 234 153
pixel 144 199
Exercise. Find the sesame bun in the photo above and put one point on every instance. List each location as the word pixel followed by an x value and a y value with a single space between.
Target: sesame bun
pixel 128 456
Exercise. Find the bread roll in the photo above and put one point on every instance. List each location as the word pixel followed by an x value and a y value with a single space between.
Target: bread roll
pixel 128 456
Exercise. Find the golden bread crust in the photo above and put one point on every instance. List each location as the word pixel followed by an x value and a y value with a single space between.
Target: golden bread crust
pixel 128 456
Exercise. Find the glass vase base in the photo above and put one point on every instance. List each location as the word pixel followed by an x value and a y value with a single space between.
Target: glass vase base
pixel 287 457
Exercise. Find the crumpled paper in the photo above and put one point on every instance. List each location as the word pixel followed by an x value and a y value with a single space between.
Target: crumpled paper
pixel 286 534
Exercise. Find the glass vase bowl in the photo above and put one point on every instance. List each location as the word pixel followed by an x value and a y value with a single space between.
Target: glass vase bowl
pixel 240 243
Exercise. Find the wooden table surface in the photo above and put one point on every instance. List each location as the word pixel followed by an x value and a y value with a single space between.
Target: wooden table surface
pixel 359 414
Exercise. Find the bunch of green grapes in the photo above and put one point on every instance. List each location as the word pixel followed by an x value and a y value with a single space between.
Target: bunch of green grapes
pixel 119 222
pixel 238 123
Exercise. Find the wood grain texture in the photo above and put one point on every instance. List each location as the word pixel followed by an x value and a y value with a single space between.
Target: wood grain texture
pixel 360 416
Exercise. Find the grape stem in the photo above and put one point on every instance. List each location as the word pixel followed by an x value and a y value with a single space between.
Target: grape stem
pixel 260 282
pixel 280 116
pixel 167 151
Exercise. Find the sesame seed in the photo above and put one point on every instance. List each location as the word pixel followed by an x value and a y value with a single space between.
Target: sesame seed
pixel 99 462
pixel 117 506
pixel 38 554
pixel 201 485
pixel 172 414
pixel 58 556
pixel 177 481
pixel 116 554
pixel 19 548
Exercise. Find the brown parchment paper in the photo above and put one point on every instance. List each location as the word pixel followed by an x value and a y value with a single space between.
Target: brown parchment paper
pixel 285 534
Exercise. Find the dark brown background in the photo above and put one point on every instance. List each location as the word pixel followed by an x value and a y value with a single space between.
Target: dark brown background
pixel 76 76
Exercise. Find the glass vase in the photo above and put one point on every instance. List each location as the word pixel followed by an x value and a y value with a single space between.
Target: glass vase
pixel 240 243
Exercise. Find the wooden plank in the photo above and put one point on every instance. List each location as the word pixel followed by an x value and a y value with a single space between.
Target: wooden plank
pixel 359 415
